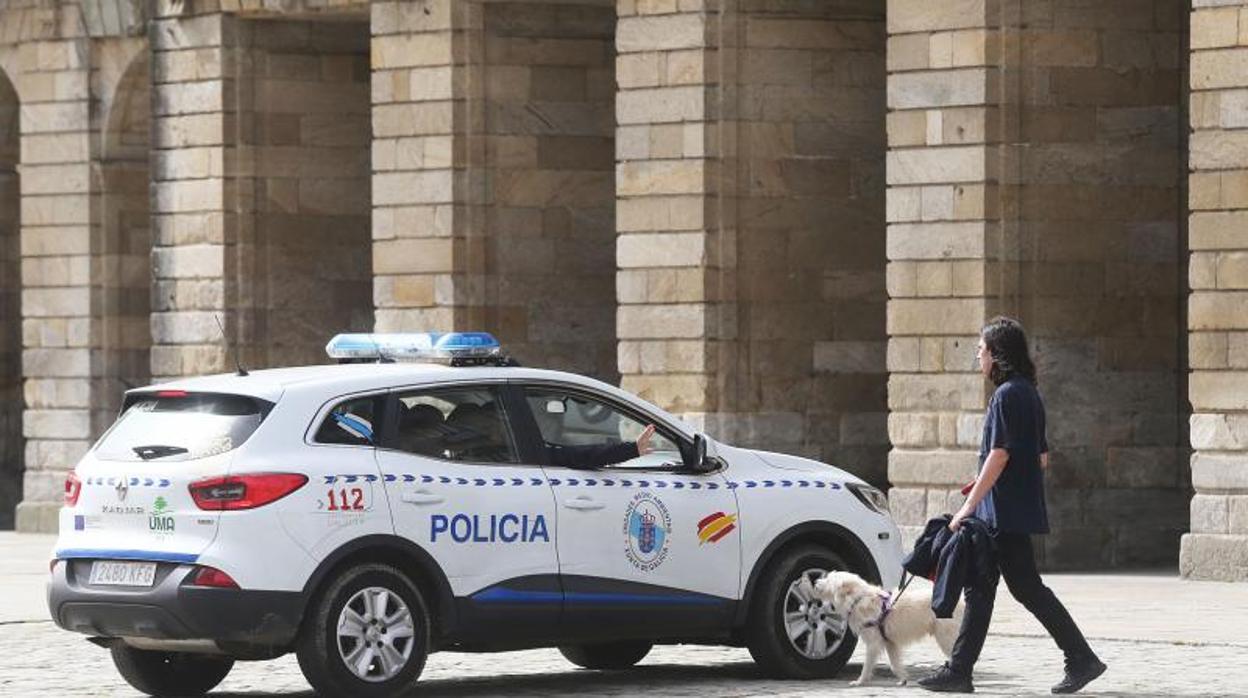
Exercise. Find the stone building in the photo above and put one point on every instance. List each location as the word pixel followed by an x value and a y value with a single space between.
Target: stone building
pixel 784 219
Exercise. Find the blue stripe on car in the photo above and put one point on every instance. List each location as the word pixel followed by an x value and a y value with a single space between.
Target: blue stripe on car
pixel 516 596
pixel 113 554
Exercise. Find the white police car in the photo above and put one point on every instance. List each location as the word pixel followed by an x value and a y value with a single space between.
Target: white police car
pixel 364 515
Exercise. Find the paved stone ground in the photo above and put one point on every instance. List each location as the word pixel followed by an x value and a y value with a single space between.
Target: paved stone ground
pixel 1160 635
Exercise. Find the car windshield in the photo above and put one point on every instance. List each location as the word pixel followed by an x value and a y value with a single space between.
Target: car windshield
pixel 180 427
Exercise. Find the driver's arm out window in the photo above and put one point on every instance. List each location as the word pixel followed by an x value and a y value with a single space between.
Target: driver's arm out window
pixel 582 432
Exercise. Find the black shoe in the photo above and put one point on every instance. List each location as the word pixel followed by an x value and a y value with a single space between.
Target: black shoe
pixel 946 680
pixel 1080 675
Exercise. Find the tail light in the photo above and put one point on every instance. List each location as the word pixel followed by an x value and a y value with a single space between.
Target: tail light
pixel 235 492
pixel 73 488
pixel 212 577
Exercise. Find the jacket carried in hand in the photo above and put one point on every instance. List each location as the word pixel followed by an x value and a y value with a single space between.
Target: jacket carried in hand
pixel 953 560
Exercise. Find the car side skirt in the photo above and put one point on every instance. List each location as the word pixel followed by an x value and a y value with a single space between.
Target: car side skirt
pixel 546 610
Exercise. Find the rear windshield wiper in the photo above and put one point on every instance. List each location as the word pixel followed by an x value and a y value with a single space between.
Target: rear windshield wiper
pixel 157 451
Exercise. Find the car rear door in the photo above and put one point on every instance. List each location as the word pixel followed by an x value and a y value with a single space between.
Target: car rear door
pixel 459 488
pixel 646 547
pixel 133 500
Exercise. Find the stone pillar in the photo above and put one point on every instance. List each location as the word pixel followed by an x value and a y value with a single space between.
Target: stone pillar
pixel 1033 171
pixel 427 262
pixel 57 234
pixel 943 242
pixel 260 211
pixel 677 242
pixel 492 175
pixel 195 202
pixel 1217 547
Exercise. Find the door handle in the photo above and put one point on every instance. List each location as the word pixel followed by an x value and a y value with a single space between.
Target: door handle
pixel 583 504
pixel 421 497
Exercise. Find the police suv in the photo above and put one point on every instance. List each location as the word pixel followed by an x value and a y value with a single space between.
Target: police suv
pixel 409 500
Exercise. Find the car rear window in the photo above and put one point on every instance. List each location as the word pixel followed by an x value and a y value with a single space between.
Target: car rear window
pixel 176 426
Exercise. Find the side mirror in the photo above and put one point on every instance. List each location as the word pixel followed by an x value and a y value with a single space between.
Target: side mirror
pixel 695 460
pixel 555 407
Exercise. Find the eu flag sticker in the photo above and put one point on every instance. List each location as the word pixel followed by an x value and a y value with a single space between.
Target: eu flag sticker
pixel 80 522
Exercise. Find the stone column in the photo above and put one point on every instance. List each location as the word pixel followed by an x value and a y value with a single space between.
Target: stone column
pixel 195 202
pixel 427 259
pixel 676 246
pixel 1217 547
pixel 943 242
pixel 1033 172
pixel 57 232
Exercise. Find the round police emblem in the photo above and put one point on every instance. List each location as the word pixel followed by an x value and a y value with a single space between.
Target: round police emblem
pixel 647 528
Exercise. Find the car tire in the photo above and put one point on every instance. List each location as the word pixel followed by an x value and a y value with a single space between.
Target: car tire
pixel 387 651
pixel 170 673
pixel 767 636
pixel 607 656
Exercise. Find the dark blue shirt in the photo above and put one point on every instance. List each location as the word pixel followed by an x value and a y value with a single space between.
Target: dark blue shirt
pixel 1015 422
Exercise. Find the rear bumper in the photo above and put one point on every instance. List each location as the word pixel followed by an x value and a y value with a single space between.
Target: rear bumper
pixel 171 610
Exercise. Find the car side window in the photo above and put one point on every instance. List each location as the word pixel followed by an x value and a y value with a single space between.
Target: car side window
pixel 572 420
pixel 351 422
pixel 455 424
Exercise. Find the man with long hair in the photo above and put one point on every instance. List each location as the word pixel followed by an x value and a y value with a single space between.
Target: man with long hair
pixel 1008 495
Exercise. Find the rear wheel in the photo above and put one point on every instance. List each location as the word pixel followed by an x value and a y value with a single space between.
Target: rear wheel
pixel 791 634
pixel 170 673
pixel 607 656
pixel 367 634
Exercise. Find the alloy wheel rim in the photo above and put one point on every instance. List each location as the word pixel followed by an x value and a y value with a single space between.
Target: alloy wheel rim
pixel 375 634
pixel 812 626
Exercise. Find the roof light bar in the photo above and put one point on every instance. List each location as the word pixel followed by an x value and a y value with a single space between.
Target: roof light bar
pixel 456 348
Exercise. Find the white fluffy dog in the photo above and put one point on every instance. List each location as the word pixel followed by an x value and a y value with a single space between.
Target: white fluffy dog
pixel 908 620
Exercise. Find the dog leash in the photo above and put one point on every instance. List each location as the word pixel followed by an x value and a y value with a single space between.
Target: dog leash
pixel 906 578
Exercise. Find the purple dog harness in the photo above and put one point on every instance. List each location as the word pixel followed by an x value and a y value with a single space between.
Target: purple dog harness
pixel 889 601
pixel 879 622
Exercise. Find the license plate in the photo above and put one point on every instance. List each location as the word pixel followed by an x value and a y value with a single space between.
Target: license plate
pixel 128 574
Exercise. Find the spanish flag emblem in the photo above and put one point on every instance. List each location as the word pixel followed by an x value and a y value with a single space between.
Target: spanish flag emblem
pixel 716 526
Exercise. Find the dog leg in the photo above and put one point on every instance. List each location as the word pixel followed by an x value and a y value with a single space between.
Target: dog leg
pixel 868 665
pixel 895 661
pixel 946 634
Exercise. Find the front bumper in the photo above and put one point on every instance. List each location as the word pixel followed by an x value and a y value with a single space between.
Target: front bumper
pixel 171 610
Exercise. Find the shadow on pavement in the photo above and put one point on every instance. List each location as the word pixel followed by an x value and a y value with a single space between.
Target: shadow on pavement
pixel 658 680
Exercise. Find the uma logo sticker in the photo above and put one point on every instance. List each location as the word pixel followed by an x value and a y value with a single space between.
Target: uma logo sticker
pixel 647 530
pixel 161 519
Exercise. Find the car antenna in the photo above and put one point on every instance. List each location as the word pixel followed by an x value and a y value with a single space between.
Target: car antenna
pixel 230 345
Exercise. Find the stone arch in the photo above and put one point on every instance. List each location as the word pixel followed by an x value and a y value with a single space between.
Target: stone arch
pixel 11 445
pixel 121 264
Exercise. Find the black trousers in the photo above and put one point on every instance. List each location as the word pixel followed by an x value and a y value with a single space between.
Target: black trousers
pixel 1016 561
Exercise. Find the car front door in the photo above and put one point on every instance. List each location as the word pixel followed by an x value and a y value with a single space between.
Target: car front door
pixel 647 547
pixel 458 488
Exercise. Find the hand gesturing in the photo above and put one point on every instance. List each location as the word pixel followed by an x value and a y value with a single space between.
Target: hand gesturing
pixel 643 442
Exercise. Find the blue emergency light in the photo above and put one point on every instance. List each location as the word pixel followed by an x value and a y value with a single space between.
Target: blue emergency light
pixel 455 348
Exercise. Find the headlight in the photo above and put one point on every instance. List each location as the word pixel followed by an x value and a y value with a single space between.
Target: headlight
pixel 870 497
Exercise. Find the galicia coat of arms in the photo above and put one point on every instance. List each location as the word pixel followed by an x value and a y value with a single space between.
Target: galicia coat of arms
pixel 647 529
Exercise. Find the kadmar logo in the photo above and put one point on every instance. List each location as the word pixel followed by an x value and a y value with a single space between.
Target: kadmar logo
pixel 161 520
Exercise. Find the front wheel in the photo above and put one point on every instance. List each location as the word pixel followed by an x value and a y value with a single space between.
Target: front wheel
pixel 791 634
pixel 170 673
pixel 607 656
pixel 366 634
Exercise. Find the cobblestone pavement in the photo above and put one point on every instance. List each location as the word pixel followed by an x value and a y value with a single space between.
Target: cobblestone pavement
pixel 37 659
pixel 1160 636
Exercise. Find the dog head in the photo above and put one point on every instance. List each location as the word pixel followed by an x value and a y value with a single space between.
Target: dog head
pixel 841 589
